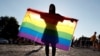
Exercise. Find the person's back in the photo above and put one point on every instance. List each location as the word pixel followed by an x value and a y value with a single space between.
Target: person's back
pixel 50 35
pixel 48 39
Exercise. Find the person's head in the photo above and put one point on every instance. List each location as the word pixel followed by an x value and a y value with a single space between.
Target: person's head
pixel 95 33
pixel 52 9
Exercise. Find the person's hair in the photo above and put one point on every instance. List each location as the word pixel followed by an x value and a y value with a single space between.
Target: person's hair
pixel 95 32
pixel 52 9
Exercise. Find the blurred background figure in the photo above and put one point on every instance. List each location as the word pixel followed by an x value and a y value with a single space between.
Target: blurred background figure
pixel 93 40
pixel 98 44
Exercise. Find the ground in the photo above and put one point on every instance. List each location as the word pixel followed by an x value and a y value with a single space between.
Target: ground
pixel 31 50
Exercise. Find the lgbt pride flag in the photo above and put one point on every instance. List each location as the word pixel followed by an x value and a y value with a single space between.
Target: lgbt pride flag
pixel 40 27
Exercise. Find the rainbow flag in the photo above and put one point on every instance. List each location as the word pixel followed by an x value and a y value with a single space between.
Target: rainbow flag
pixel 50 29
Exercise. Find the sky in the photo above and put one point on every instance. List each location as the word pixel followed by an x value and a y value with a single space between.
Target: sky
pixel 86 11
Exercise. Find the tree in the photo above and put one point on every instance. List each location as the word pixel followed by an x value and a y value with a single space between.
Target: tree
pixel 3 22
pixel 9 27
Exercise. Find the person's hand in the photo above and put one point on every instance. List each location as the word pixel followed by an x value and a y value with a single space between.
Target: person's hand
pixel 72 20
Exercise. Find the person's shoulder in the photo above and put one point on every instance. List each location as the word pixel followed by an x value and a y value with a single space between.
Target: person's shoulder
pixel 58 14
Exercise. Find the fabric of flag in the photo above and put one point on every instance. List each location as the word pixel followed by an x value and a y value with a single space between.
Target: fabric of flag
pixel 49 29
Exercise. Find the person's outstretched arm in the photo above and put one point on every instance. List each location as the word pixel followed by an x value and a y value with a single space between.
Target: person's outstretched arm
pixel 68 18
pixel 36 11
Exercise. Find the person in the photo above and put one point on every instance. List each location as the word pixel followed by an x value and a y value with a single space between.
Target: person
pixel 99 39
pixel 93 40
pixel 72 44
pixel 98 43
pixel 50 35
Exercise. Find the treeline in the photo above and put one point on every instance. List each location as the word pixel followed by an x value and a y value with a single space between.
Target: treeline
pixel 9 29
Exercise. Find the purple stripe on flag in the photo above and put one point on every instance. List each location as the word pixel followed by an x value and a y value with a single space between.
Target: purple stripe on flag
pixel 21 34
pixel 62 47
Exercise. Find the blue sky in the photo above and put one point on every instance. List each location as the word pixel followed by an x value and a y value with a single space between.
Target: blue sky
pixel 86 11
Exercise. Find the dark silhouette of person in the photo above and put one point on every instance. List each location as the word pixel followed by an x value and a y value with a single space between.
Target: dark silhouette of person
pixel 99 42
pixel 50 35
pixel 93 40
